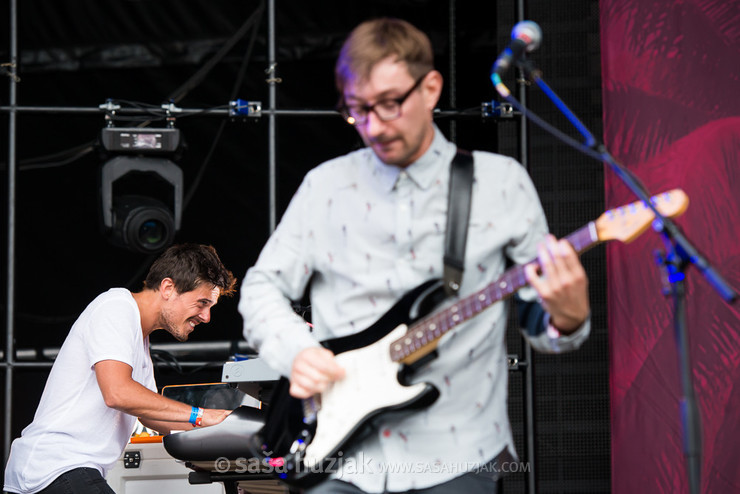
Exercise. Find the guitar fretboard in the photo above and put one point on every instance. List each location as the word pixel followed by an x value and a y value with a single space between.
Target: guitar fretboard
pixel 421 335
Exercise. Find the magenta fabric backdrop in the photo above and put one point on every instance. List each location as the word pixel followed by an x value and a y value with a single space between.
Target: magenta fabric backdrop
pixel 671 92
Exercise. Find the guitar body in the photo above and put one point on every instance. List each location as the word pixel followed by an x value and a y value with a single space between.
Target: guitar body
pixel 373 386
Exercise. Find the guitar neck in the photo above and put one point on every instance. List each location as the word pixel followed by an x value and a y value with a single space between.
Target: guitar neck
pixel 422 336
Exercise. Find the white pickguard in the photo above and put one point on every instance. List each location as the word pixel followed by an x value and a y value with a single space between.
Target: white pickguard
pixel 370 384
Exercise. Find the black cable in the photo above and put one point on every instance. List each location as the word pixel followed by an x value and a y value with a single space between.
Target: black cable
pixel 202 112
pixel 57 154
pixel 201 171
pixel 235 89
pixel 166 358
pixel 158 112
pixel 136 278
pixel 153 110
pixel 200 75
pixel 598 152
pixel 89 147
pixel 144 120
pixel 207 365
pixel 65 157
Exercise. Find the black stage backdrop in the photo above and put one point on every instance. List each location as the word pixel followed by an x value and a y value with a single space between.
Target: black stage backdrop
pixel 81 53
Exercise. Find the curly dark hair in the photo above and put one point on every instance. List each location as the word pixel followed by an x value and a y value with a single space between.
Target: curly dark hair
pixel 189 266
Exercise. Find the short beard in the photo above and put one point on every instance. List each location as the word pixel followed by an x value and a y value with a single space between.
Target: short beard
pixel 165 321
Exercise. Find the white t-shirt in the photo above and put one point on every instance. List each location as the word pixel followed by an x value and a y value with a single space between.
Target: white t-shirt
pixel 73 427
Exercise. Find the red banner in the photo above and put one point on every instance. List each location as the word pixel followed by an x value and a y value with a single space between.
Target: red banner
pixel 671 91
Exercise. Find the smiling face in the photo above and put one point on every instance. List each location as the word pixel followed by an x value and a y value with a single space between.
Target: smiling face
pixel 403 140
pixel 183 311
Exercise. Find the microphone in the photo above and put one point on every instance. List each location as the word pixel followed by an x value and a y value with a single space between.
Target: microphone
pixel 525 37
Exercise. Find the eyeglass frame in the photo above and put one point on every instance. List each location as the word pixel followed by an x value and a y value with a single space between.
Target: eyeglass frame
pixel 343 108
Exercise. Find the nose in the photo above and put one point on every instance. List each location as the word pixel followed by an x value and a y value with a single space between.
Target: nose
pixel 373 126
pixel 205 315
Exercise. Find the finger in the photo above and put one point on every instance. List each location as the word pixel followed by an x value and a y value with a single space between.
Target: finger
pixel 313 362
pixel 570 258
pixel 337 371
pixel 531 273
pixel 309 371
pixel 551 259
pixel 327 365
pixel 310 387
pixel 568 268
pixel 548 279
pixel 314 369
pixel 305 387
pixel 313 382
pixel 297 391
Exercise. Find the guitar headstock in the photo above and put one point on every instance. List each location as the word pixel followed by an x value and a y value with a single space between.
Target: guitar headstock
pixel 627 222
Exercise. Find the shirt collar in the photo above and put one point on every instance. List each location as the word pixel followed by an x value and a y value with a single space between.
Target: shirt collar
pixel 424 171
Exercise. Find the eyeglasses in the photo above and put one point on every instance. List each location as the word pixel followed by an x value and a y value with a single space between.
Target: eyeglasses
pixel 386 109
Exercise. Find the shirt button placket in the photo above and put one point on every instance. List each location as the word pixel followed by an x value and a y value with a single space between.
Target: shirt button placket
pixel 403 226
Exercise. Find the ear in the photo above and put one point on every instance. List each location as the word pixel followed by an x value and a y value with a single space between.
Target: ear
pixel 432 87
pixel 167 288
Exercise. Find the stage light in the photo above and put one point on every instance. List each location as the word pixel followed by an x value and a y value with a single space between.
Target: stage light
pixel 140 188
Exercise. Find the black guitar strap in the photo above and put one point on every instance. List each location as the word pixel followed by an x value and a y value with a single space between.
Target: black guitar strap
pixel 458 215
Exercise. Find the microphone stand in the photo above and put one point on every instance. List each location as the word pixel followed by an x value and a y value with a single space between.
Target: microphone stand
pixel 680 253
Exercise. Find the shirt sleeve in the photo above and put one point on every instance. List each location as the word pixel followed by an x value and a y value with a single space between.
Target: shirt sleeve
pixel 280 275
pixel 529 226
pixel 535 327
pixel 112 331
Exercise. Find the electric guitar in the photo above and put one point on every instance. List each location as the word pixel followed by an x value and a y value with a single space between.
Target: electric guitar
pixel 302 439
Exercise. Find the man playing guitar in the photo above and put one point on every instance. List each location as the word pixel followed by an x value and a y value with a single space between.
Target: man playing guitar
pixel 364 229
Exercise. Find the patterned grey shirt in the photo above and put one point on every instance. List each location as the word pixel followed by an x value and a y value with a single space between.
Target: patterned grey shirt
pixel 363 233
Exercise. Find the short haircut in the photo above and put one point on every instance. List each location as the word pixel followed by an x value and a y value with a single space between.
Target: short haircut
pixel 189 266
pixel 373 41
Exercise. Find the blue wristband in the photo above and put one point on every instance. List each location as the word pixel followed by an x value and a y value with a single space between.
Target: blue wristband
pixel 193 415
